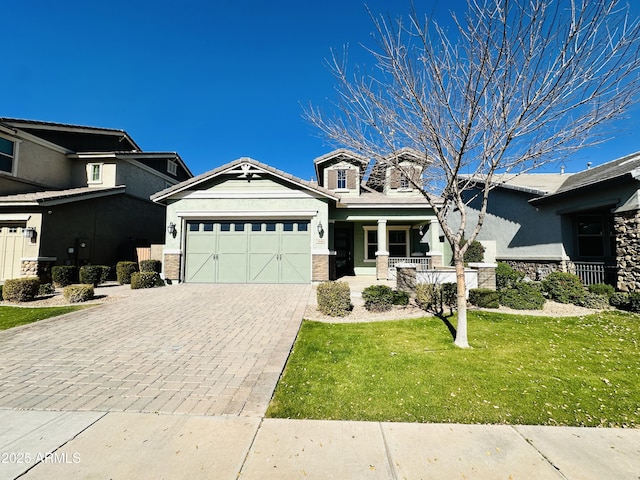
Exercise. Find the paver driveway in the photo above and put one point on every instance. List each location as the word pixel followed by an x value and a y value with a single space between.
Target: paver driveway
pixel 199 349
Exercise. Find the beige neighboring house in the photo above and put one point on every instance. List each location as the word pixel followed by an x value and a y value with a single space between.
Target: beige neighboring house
pixel 74 195
pixel 247 222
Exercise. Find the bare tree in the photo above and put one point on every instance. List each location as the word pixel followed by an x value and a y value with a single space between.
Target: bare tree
pixel 510 87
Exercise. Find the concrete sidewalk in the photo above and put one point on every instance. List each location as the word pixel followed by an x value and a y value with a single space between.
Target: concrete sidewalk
pixel 120 445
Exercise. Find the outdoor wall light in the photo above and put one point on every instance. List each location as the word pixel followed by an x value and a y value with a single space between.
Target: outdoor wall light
pixel 29 233
pixel 320 229
pixel 171 229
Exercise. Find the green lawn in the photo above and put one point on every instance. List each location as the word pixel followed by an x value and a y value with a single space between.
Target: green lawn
pixel 14 316
pixel 521 370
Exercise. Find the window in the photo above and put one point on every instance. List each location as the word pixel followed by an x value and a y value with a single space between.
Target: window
pixel 303 226
pixel 239 227
pixel 256 227
pixel 6 155
pixel 271 227
pixel 397 243
pixel 404 182
pixel 595 236
pixel 225 227
pixel 194 226
pixel 287 227
pixel 207 227
pixel 371 244
pixel 342 179
pixel 95 172
pixel 172 166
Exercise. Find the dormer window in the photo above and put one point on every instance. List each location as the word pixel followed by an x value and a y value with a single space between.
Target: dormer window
pixel 95 173
pixel 341 179
pixel 404 182
pixel 6 155
pixel 172 167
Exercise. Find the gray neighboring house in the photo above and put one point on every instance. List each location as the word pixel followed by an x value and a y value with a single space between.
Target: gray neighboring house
pixel 586 223
pixel 74 195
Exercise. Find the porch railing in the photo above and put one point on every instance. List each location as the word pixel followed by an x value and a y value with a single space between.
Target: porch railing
pixel 422 264
pixel 596 272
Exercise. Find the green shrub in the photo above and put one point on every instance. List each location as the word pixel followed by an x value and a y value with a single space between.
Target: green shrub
pixel 63 275
pixel 400 298
pixel 484 298
pixel 634 302
pixel 151 266
pixel 435 297
pixel 93 274
pixel 620 300
pixel 20 289
pixel 506 276
pixel 46 289
pixel 334 298
pixel 602 289
pixel 522 296
pixel 78 293
pixel 380 298
pixel 597 301
pixel 124 271
pixel 564 287
pixel 146 280
pixel 475 253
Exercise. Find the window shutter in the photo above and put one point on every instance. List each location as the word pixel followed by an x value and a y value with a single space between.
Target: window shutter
pixel 395 178
pixel 352 179
pixel 416 177
pixel 332 179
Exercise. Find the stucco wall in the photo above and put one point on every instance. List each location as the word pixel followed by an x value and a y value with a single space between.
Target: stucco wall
pixel 43 165
pixel 518 229
pixel 110 227
pixel 260 198
pixel 140 181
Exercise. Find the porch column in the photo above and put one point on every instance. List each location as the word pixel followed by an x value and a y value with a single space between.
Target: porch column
pixel 382 255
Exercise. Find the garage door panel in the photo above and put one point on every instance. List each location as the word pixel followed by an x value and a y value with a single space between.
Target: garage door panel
pixel 232 267
pixel 200 267
pixel 264 268
pixel 295 268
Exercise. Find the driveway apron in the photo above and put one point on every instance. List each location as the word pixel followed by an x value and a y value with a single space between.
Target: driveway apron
pixel 184 349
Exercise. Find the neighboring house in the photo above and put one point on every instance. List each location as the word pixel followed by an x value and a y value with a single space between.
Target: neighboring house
pixel 586 223
pixel 76 195
pixel 247 222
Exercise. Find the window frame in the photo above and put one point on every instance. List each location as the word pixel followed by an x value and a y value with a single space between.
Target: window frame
pixel 11 157
pixel 341 178
pixel 93 167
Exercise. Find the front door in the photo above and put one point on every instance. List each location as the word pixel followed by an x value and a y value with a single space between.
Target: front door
pixel 343 245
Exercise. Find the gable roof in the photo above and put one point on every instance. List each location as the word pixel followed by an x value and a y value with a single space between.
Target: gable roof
pixel 339 155
pixel 76 138
pixel 243 166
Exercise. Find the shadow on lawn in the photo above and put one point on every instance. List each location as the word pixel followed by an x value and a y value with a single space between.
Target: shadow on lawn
pixel 447 323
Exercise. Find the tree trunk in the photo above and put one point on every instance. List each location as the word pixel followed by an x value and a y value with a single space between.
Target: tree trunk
pixel 461 329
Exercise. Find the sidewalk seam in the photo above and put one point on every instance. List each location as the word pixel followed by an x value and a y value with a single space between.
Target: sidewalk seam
pixel 62 445
pixel 392 468
pixel 542 455
pixel 246 456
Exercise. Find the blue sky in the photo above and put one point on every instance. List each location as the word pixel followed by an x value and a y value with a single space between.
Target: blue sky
pixel 213 80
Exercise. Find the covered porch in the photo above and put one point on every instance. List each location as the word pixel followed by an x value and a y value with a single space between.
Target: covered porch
pixel 364 246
